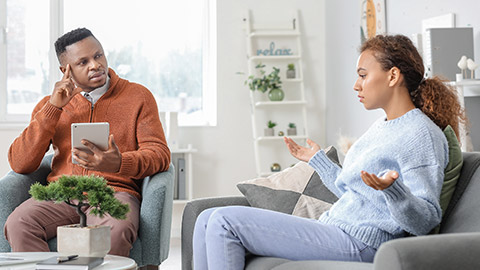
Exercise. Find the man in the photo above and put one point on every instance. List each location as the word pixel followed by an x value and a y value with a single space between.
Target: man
pixel 88 92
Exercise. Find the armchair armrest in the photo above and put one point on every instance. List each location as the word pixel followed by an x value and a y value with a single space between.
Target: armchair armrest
pixel 190 214
pixel 156 216
pixel 14 189
pixel 442 251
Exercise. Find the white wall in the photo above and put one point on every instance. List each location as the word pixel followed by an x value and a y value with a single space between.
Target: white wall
pixel 344 113
pixel 225 154
pixel 6 138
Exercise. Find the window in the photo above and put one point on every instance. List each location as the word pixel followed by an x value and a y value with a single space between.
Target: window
pixel 26 66
pixel 163 45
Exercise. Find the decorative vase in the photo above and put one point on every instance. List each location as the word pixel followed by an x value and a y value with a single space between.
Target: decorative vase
pixel 291 74
pixel 269 132
pixel 292 131
pixel 275 167
pixel 276 94
pixel 90 241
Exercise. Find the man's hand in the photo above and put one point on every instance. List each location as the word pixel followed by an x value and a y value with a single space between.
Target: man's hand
pixel 300 152
pixel 109 160
pixel 379 183
pixel 64 90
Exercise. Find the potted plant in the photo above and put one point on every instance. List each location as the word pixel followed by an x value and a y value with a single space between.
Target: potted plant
pixel 80 191
pixel 291 71
pixel 292 129
pixel 269 131
pixel 267 82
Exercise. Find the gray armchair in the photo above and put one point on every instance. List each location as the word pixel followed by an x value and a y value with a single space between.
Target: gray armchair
pixel 153 242
pixel 456 247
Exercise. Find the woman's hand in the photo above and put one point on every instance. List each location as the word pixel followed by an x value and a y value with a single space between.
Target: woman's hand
pixel 379 183
pixel 300 152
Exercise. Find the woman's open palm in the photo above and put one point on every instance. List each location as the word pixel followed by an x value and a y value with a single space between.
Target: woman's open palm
pixel 300 152
pixel 379 183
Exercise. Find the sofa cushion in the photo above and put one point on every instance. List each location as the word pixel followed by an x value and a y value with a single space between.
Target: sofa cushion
pixel 271 263
pixel 297 190
pixel 462 214
pixel 453 169
pixel 325 265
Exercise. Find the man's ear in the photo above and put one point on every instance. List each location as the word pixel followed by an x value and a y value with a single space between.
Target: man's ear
pixel 394 76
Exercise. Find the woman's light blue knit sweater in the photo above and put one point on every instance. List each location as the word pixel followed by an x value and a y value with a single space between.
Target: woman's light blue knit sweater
pixel 412 145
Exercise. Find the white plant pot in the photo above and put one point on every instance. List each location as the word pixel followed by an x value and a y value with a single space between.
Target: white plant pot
pixel 292 131
pixel 90 241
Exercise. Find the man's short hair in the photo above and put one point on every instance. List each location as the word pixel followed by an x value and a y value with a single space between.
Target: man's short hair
pixel 70 38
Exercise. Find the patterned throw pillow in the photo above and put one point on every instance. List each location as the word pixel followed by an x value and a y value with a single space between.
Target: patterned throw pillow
pixel 297 190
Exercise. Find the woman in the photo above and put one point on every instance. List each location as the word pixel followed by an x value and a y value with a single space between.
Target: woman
pixel 389 185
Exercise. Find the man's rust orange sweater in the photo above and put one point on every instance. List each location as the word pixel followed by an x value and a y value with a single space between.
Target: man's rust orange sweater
pixel 132 113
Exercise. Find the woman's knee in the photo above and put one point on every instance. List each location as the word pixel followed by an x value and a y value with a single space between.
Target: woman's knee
pixel 224 216
pixel 204 216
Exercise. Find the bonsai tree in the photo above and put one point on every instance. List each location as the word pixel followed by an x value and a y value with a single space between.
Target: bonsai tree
pixel 264 82
pixel 79 191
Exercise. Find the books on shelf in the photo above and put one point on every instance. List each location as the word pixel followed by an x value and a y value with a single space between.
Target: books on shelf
pixel 79 263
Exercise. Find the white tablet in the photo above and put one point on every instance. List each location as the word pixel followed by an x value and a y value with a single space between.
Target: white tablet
pixel 96 133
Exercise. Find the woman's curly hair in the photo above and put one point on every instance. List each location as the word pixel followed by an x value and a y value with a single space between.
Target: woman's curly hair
pixel 437 99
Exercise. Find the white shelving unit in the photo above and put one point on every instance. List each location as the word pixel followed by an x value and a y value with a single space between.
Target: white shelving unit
pixel 187 154
pixel 466 88
pixel 287 37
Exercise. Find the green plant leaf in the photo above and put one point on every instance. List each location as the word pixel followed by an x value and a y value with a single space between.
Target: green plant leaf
pixel 271 124
pixel 265 82
pixel 81 189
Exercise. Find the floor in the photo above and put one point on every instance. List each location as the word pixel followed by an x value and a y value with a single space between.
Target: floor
pixel 174 260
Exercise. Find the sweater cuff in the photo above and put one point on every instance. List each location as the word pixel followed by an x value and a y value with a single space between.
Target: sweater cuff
pixel 396 191
pixel 127 165
pixel 51 112
pixel 320 161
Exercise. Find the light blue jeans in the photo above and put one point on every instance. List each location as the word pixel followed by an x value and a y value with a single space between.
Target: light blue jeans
pixel 223 235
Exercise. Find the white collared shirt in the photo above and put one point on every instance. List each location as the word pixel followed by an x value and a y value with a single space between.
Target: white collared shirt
pixel 94 95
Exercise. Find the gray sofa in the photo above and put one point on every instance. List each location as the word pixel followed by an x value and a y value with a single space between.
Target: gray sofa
pixel 456 247
pixel 153 242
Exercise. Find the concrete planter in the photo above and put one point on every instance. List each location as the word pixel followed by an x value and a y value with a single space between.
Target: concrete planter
pixel 90 241
pixel 269 132
pixel 292 131
pixel 291 74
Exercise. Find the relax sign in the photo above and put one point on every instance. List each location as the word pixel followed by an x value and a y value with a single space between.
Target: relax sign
pixel 273 51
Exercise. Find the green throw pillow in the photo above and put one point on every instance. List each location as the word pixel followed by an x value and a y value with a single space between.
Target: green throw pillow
pixel 452 171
